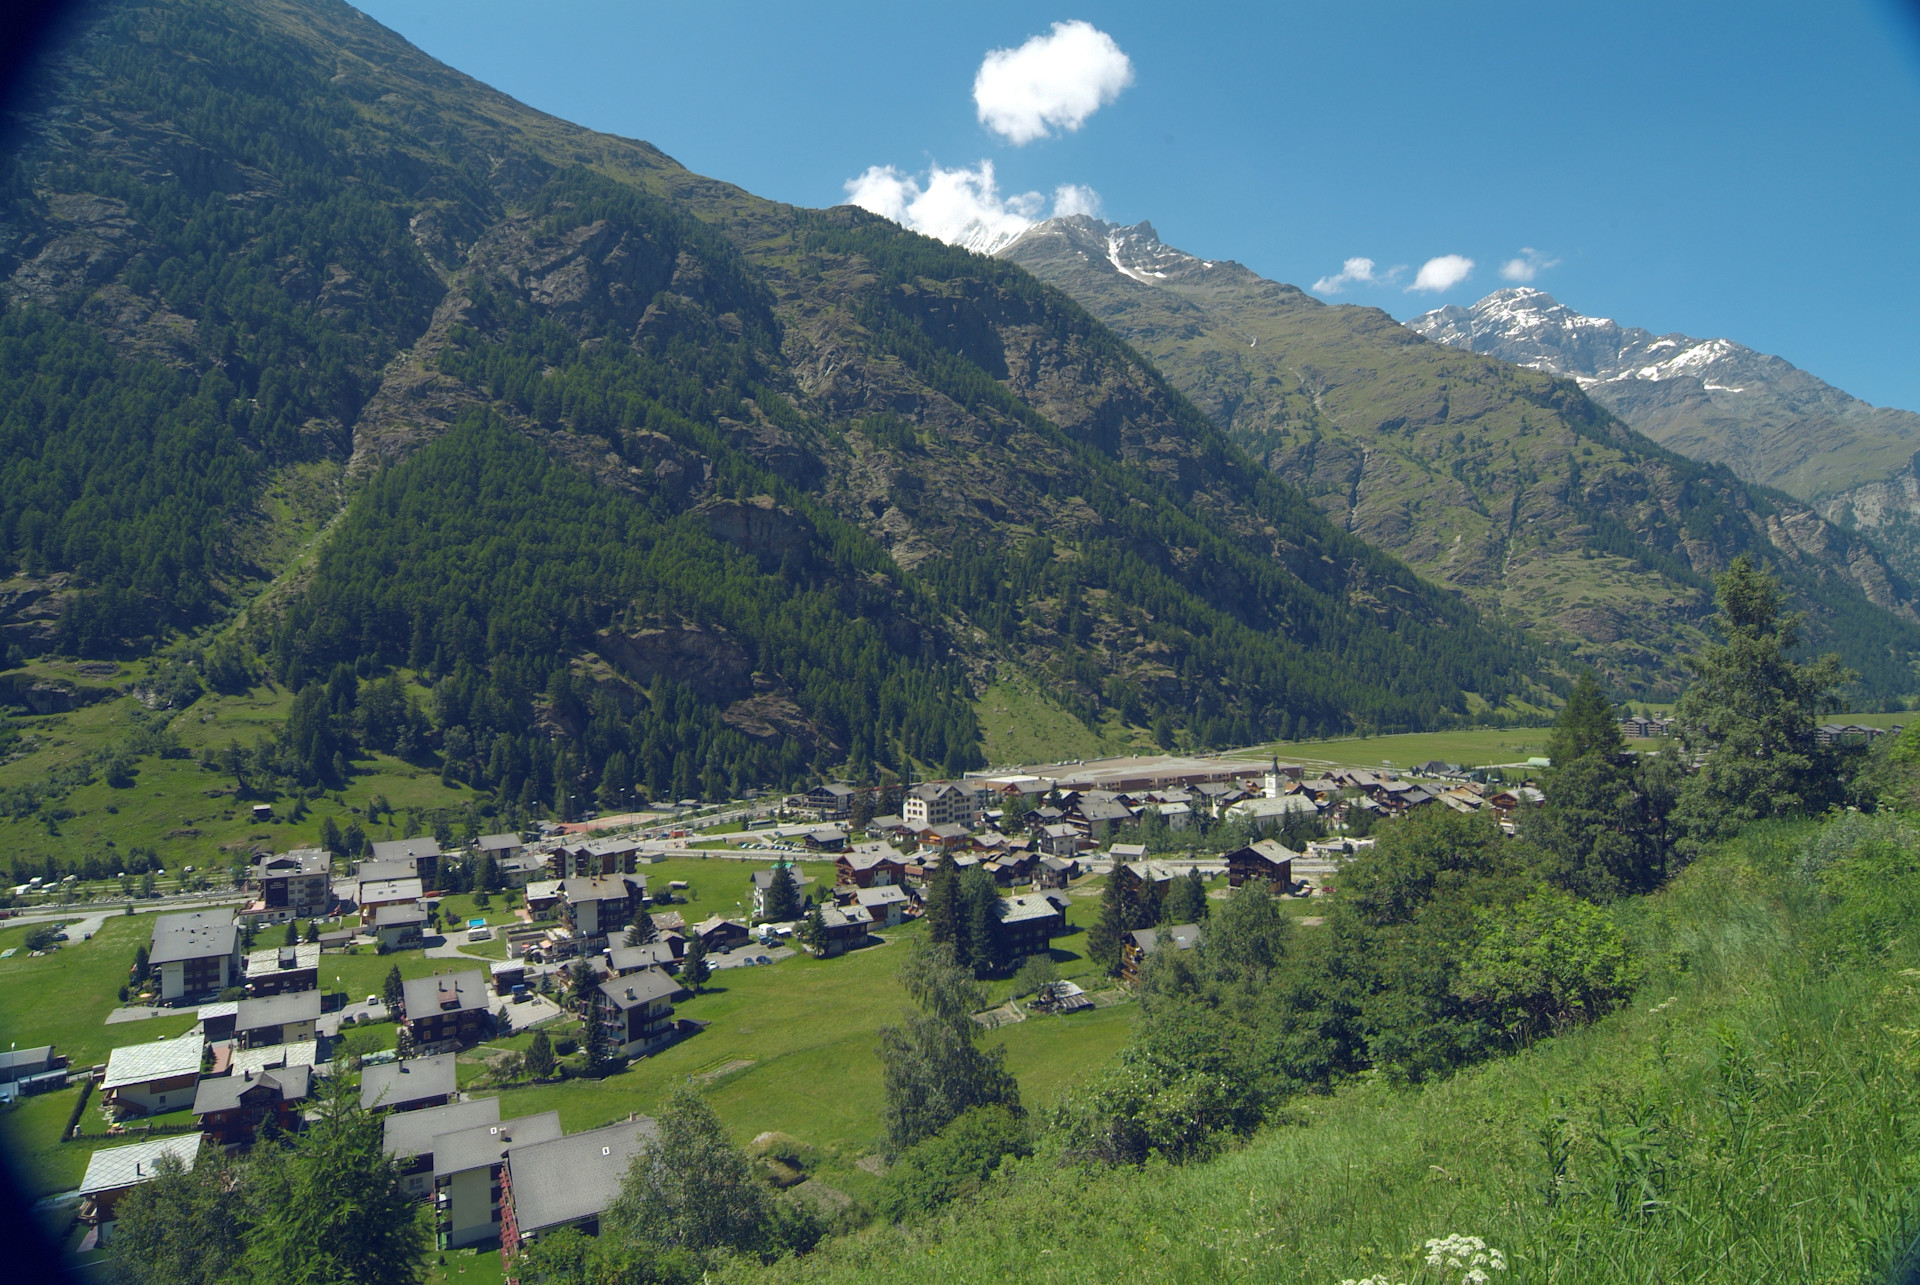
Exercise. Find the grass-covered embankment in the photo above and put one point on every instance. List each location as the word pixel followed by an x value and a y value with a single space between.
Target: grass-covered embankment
pixel 1749 1118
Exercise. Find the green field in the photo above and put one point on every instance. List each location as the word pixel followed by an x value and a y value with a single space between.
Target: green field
pixel 1470 747
pixel 790 1047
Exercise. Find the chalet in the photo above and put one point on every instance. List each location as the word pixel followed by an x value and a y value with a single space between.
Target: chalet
pixel 568 1182
pixel 1059 840
pixel 292 885
pixel 400 925
pixel 945 838
pixel 424 852
pixel 1506 802
pixel 1265 814
pixel 466 1174
pixel 720 935
pixel 595 859
pixel 375 893
pixel 410 1137
pixel 636 1011
pixel 195 954
pixel 1097 819
pixel 517 872
pixel 232 1108
pixel 1847 734
pixel 892 825
pixel 216 1019
pixel 1128 852
pixel 603 904
pixel 505 974
pixel 886 905
pixel 445 1011
pixel 866 869
pixel 1029 924
pixel 622 960
pixel 412 1085
pixel 825 839
pixel 542 895
pixel 283 969
pixel 1143 942
pixel 154 1077
pixel 943 803
pixel 114 1171
pixel 230 1060
pixel 501 847
pixel 1044 816
pixel 1178 816
pixel 278 1019
pixel 1265 860
pixel 845 930
pixel 1054 872
pixel 831 801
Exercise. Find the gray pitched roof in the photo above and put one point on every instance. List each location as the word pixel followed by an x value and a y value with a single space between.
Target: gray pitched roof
pixel 488 1144
pixel 412 1133
pixel 222 1092
pixel 574 1177
pixel 395 849
pixel 639 988
pixel 119 1167
pixel 399 914
pixel 500 842
pixel 277 1010
pixel 276 959
pixel 444 993
pixel 197 934
pixel 603 887
pixel 397 1083
pixel 154 1060
pixel 627 958
pixel 389 890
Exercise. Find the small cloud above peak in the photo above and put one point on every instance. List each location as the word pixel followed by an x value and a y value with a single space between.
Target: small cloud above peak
pixel 1529 265
pixel 1442 273
pixel 1055 81
pixel 962 206
pixel 1355 271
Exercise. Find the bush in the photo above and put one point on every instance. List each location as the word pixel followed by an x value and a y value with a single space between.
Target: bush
pixel 41 938
pixel 1034 972
pixel 955 1162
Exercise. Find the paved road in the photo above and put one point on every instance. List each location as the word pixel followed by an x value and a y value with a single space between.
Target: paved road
pixel 93 910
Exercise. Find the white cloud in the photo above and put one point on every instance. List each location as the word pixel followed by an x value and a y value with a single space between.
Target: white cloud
pixel 1442 273
pixel 1052 82
pixel 1353 271
pixel 962 206
pixel 1075 198
pixel 1529 265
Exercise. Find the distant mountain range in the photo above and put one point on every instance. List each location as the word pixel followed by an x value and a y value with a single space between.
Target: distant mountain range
pixel 1713 399
pixel 1508 484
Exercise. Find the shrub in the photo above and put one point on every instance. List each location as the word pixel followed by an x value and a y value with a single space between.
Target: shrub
pixel 1035 971
pixel 955 1162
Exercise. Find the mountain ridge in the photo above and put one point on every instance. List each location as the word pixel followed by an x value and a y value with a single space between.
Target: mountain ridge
pixel 1717 400
pixel 1508 485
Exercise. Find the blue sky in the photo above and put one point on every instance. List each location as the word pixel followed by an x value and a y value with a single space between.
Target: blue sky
pixel 1745 170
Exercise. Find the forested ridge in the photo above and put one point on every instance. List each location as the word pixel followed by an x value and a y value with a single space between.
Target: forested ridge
pixel 869 469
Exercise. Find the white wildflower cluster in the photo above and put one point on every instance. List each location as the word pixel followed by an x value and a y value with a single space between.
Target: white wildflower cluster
pixel 1372 1280
pixel 1469 1254
pixel 1663 1005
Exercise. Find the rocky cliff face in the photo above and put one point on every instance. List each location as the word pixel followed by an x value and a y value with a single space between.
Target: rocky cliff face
pixel 1713 399
pixel 1505 483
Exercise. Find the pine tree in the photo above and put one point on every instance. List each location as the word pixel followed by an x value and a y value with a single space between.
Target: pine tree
pixel 394 993
pixel 1119 906
pixel 943 907
pixel 1750 713
pixel 813 931
pixel 694 967
pixel 1595 825
pixel 540 1056
pixel 783 894
pixel 1187 902
pixel 642 931
pixel 598 1054
pixel 979 943
pixel 292 937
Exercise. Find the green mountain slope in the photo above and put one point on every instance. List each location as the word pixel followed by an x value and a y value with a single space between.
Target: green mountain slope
pixel 799 482
pixel 1504 483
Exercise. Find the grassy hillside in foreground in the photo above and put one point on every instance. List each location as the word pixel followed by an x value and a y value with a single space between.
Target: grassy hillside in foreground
pixel 1748 1119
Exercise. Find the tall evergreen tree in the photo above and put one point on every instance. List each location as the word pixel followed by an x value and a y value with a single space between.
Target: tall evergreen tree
pixel 393 992
pixel 1750 712
pixel 1187 902
pixel 783 894
pixel 1119 907
pixel 979 946
pixel 943 907
pixel 329 1207
pixel 1597 826
pixel 642 931
pixel 540 1056
pixel 180 1228
pixel 694 967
